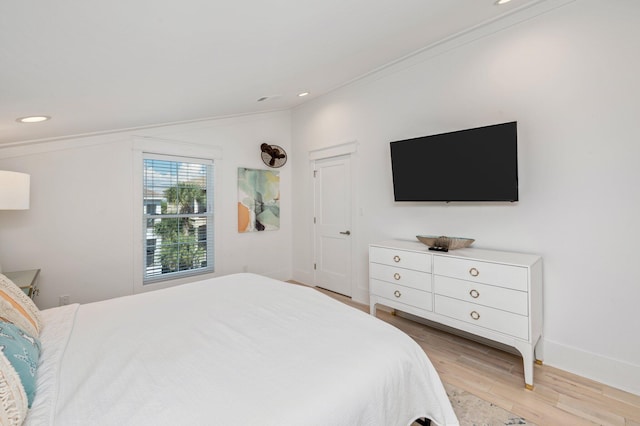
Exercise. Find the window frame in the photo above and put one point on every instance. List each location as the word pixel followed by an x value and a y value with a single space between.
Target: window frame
pixel 207 214
pixel 182 151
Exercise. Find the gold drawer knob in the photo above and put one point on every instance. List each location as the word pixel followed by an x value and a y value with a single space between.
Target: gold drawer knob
pixel 474 293
pixel 474 272
pixel 396 258
pixel 397 293
pixel 475 315
pixel 396 276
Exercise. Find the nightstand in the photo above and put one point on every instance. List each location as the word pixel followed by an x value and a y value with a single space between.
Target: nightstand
pixel 26 280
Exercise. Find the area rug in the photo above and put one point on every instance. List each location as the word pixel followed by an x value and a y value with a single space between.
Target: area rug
pixel 473 411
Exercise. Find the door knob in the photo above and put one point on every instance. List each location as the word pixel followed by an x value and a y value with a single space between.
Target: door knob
pixel 346 233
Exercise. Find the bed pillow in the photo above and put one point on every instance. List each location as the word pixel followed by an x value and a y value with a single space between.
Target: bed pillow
pixel 16 307
pixel 19 356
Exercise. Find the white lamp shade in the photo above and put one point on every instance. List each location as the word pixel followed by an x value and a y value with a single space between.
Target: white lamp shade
pixel 14 190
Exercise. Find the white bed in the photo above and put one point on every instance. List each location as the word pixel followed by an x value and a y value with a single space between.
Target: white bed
pixel 236 350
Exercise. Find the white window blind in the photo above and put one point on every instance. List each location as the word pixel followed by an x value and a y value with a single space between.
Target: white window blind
pixel 177 217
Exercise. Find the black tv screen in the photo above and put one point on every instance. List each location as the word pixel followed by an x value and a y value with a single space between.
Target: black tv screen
pixel 479 164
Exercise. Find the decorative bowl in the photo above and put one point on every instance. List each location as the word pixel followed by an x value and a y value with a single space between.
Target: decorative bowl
pixel 449 243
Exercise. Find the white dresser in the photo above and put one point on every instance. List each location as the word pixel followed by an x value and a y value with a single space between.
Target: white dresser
pixel 493 294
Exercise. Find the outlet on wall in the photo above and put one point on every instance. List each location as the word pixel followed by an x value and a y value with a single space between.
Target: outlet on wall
pixel 64 300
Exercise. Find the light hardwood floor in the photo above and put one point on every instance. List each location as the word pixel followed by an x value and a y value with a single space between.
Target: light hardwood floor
pixel 558 398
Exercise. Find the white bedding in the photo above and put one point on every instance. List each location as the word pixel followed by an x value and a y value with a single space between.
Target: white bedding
pixel 236 350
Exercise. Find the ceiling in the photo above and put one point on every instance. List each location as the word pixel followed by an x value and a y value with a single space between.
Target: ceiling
pixel 98 66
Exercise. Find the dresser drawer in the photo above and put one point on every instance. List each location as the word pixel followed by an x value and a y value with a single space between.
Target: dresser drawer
pixel 405 277
pixel 407 295
pixel 481 294
pixel 482 316
pixel 401 258
pixel 508 276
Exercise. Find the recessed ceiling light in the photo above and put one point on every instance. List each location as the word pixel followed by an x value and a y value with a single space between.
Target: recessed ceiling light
pixel 303 94
pixel 33 119
pixel 499 2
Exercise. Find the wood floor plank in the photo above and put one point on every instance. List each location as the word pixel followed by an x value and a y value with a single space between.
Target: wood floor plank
pixel 596 413
pixel 549 415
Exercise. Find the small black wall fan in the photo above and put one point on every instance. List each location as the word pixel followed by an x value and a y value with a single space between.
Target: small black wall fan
pixel 273 155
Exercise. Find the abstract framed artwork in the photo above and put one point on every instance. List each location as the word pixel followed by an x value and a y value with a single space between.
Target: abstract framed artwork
pixel 258 200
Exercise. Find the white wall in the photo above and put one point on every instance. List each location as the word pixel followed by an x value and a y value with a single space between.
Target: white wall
pixel 79 229
pixel 570 79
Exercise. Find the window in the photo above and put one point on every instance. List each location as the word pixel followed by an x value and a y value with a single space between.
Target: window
pixel 151 250
pixel 177 217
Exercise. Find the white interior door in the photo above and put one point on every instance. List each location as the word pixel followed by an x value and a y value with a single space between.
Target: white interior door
pixel 332 191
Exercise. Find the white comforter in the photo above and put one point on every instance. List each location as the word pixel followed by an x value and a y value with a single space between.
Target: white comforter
pixel 236 350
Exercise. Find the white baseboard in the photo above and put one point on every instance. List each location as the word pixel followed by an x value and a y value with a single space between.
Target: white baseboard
pixel 279 274
pixel 303 276
pixel 360 295
pixel 612 372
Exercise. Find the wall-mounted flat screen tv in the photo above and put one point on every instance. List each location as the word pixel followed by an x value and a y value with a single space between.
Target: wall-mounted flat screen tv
pixel 479 164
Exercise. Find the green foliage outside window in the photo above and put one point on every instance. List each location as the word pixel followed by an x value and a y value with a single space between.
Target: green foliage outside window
pixel 181 248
